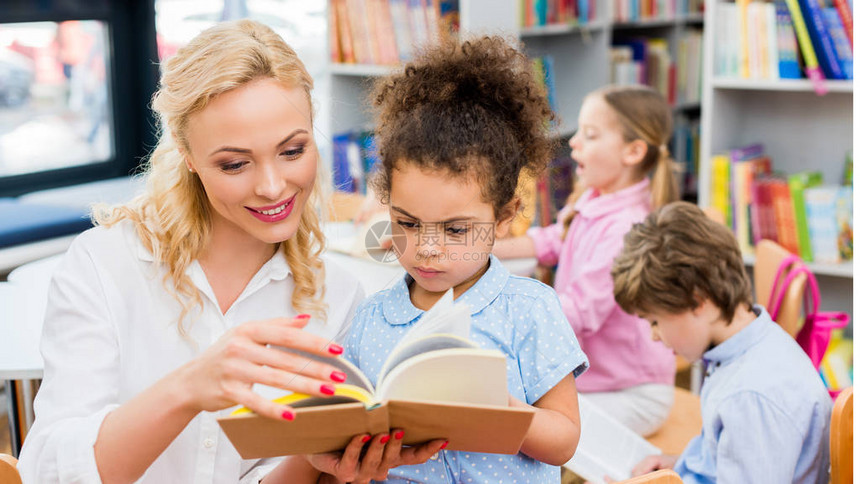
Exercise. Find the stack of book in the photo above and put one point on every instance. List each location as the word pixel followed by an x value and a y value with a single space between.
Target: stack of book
pixel 537 13
pixel 797 211
pixel 639 10
pixel 385 32
pixel 784 39
pixel 648 61
pixel 354 160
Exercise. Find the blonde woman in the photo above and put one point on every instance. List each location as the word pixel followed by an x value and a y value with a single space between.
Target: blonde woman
pixel 161 317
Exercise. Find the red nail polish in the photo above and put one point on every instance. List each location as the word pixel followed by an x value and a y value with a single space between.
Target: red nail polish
pixel 335 349
pixel 398 435
pixel 288 415
pixel 444 445
pixel 327 389
pixel 303 316
pixel 365 439
pixel 338 376
pixel 384 439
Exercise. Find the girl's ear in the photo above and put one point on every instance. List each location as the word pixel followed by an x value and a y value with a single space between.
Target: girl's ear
pixel 506 217
pixel 634 152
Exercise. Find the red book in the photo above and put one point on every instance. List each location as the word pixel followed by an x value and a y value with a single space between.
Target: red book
pixel 847 20
pixel 785 222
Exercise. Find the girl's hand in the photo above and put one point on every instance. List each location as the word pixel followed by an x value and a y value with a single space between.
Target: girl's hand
pixel 384 451
pixel 654 463
pixel 223 375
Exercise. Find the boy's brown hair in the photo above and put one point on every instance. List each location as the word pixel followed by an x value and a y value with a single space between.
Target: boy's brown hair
pixel 677 258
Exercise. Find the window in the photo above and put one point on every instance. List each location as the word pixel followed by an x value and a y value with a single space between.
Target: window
pixel 75 81
pixel 54 96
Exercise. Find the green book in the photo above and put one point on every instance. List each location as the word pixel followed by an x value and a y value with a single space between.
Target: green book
pixel 797 183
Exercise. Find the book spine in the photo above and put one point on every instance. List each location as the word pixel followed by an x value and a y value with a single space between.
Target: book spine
pixel 335 53
pixel 744 54
pixel 847 19
pixel 344 32
pixel 813 70
pixel 772 44
pixel 840 41
pixel 821 221
pixel 821 41
pixel 785 220
pixel 789 67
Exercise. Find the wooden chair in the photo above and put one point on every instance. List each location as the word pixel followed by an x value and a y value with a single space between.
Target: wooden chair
pixel 768 256
pixel 9 470
pixel 663 476
pixel 684 423
pixel 842 438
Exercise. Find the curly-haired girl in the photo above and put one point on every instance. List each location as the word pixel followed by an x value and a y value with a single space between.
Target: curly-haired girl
pixel 455 129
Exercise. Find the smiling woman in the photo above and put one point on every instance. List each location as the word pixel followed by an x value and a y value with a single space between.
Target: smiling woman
pixel 173 307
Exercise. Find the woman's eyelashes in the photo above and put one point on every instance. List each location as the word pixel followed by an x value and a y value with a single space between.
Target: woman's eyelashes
pixel 288 154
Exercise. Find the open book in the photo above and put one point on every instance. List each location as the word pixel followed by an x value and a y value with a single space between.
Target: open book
pixel 606 446
pixel 435 384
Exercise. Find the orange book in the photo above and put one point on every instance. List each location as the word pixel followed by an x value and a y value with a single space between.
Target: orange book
pixel 784 212
pixel 344 34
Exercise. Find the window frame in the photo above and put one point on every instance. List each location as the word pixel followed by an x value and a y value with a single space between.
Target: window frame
pixel 133 78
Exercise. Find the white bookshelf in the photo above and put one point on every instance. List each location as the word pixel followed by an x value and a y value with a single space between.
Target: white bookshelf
pixel 580 53
pixel 800 130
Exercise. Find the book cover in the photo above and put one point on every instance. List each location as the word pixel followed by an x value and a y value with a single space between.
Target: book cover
pixel 821 223
pixel 841 44
pixel 435 384
pixel 789 67
pixel 797 183
pixel 400 19
pixel 821 41
pixel 606 447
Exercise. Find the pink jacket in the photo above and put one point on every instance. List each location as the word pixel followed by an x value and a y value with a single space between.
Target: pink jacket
pixel 618 345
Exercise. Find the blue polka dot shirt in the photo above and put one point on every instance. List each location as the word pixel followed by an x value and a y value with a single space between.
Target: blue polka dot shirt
pixel 519 316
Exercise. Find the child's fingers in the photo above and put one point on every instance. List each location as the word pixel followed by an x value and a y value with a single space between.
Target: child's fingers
pixel 419 454
pixel 391 454
pixel 347 468
pixel 373 456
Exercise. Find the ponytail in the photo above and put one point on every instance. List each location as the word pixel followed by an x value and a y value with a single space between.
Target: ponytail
pixel 664 186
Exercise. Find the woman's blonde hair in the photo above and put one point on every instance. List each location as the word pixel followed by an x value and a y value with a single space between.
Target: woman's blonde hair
pixel 644 115
pixel 172 216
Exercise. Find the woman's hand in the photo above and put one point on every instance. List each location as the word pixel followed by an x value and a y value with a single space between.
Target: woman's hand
pixel 223 375
pixel 384 451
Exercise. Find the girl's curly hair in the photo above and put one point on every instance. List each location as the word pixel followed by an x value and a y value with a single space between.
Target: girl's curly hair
pixel 472 108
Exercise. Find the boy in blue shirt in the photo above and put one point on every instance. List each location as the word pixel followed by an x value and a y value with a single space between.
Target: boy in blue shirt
pixel 765 411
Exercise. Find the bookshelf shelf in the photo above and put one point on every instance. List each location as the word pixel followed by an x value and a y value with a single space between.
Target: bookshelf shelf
pixel 800 131
pixel 361 70
pixel 652 23
pixel 796 85
pixel 843 269
pixel 561 29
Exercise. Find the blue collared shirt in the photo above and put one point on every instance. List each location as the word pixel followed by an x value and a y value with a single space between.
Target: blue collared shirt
pixel 765 412
pixel 520 317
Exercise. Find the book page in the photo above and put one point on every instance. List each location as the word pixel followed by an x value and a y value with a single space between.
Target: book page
pixel 425 344
pixel 462 375
pixel 606 447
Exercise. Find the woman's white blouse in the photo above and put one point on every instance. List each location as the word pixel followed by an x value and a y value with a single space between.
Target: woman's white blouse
pixel 111 331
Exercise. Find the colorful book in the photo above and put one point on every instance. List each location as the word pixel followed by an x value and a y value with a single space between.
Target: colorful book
pixel 721 186
pixel 789 67
pixel 744 171
pixel 825 52
pixel 821 223
pixel 433 385
pixel 842 6
pixel 797 184
pixel 845 222
pixel 813 70
pixel 783 211
pixel 841 44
